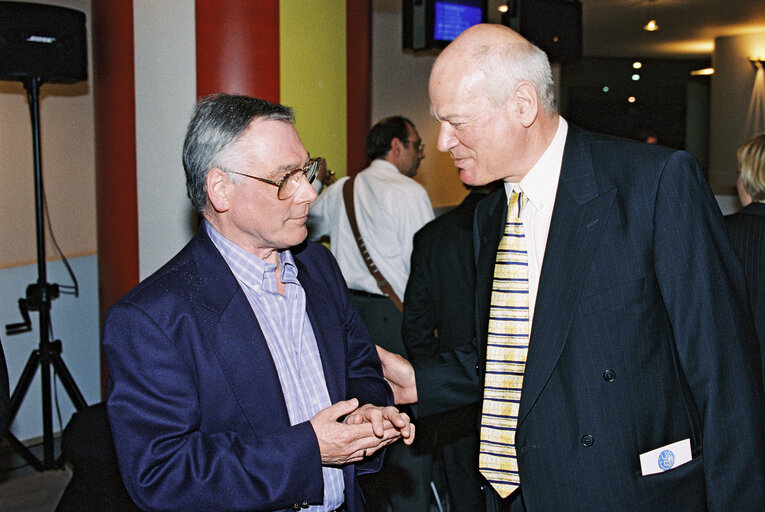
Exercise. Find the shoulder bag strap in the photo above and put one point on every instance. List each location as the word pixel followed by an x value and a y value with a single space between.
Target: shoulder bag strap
pixel 382 283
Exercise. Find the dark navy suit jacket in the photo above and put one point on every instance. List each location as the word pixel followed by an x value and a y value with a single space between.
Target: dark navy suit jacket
pixel 641 337
pixel 746 229
pixel 195 405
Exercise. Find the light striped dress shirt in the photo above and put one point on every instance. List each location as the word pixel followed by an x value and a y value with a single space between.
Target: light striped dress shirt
pixel 290 338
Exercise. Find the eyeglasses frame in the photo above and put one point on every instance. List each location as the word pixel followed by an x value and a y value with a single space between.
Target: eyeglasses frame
pixel 420 147
pixel 310 170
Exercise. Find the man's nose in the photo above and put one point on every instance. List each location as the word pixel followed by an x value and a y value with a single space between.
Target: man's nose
pixel 305 192
pixel 446 137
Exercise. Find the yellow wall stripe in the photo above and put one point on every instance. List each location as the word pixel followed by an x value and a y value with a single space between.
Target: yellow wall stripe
pixel 313 75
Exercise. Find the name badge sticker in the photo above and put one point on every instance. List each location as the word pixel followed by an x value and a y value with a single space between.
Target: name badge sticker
pixel 666 457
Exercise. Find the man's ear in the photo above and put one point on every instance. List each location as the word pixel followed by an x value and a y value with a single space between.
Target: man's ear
pixel 218 189
pixel 526 103
pixel 395 146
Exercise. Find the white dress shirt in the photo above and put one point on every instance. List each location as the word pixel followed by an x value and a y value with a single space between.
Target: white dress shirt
pixel 540 186
pixel 390 209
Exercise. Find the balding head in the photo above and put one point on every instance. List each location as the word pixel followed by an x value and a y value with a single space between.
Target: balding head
pixel 490 60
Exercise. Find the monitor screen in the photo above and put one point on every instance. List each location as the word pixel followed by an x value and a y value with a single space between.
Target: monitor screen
pixel 451 18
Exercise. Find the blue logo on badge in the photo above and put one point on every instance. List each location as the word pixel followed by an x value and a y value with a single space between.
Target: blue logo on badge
pixel 666 460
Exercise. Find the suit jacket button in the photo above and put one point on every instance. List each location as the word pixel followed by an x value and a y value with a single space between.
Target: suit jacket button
pixel 477 368
pixel 609 375
pixel 295 506
pixel 588 440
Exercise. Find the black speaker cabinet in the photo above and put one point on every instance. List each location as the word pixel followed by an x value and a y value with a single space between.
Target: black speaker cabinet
pixel 553 25
pixel 42 41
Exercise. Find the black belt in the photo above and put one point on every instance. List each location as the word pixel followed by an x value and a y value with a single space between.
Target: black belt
pixel 361 293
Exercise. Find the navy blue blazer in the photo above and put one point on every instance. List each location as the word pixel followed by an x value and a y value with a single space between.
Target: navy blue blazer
pixel 641 338
pixel 195 405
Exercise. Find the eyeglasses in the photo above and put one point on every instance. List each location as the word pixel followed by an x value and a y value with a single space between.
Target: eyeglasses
pixel 290 182
pixel 419 146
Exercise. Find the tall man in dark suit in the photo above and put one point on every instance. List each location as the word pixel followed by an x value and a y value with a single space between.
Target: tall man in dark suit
pixel 239 369
pixel 637 372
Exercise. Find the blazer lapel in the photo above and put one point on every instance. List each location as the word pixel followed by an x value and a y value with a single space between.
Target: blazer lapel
pixel 232 332
pixel 579 218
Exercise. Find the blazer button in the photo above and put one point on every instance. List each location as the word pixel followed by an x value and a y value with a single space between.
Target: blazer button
pixel 295 506
pixel 609 375
pixel 588 440
pixel 477 368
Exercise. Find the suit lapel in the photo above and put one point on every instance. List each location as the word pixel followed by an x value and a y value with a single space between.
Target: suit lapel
pixel 579 218
pixel 232 332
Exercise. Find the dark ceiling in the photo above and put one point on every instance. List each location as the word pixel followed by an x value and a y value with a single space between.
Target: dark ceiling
pixel 613 28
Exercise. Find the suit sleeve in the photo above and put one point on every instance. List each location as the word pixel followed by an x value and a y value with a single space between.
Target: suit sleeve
pixel 419 321
pixel 167 460
pixel 703 288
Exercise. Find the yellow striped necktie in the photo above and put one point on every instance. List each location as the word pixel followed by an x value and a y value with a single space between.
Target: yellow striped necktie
pixel 507 345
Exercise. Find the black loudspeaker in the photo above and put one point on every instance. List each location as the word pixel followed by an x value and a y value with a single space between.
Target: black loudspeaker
pixel 555 26
pixel 42 41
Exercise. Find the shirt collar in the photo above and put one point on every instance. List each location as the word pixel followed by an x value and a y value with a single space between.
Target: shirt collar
pixel 385 166
pixel 541 182
pixel 248 269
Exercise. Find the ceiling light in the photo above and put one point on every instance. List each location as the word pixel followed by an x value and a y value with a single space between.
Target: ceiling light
pixel 503 8
pixel 605 88
pixel 651 26
pixel 635 77
pixel 702 72
pixel 631 99
pixel 637 64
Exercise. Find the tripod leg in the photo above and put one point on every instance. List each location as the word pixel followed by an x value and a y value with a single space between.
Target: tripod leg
pixel 68 381
pixel 24 452
pixel 24 382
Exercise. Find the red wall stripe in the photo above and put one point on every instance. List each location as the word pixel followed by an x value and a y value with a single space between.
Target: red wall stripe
pixel 238 47
pixel 115 148
pixel 358 33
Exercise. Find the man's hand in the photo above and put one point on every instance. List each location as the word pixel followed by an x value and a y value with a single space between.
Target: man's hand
pixel 343 443
pixel 383 418
pixel 399 374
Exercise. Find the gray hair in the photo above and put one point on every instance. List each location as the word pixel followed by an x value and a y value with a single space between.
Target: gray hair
pixel 504 65
pixel 216 124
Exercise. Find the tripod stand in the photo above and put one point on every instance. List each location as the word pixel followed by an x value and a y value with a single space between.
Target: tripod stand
pixel 39 297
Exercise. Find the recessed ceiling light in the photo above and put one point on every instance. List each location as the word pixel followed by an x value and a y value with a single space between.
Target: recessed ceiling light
pixel 637 64
pixel 635 77
pixel 503 8
pixel 651 26
pixel 631 99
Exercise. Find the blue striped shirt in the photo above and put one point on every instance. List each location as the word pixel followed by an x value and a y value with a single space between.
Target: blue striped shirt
pixel 290 338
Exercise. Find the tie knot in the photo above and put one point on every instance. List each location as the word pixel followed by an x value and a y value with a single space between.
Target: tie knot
pixel 517 201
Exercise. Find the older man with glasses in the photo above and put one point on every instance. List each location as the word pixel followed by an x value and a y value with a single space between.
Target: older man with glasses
pixel 241 376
